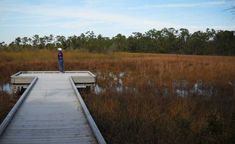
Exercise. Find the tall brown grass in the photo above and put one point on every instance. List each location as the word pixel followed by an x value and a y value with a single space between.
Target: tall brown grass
pixel 7 101
pixel 147 109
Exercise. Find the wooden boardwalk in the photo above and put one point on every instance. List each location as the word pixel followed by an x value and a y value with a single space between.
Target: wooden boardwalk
pixel 50 114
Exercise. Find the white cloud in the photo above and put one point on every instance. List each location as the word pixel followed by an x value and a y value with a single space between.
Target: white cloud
pixel 85 18
pixel 181 5
pixel 86 15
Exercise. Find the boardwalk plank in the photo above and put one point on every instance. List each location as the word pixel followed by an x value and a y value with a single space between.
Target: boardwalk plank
pixel 50 114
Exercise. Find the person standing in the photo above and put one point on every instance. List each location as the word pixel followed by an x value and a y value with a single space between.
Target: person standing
pixel 60 60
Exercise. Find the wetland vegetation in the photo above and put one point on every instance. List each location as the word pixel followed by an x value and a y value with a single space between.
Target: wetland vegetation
pixel 145 98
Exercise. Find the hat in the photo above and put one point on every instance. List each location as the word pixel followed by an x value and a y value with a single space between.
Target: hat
pixel 59 49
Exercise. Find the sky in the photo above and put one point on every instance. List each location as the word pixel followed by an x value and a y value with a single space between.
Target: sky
pixel 110 17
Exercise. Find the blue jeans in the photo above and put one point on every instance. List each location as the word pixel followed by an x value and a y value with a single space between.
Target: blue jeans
pixel 61 65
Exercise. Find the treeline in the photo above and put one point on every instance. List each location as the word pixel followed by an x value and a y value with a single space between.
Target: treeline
pixel 167 40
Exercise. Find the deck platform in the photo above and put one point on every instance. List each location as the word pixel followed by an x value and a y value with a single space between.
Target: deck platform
pixel 50 111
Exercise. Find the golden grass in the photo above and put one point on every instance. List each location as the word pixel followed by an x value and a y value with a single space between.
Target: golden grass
pixel 51 55
pixel 7 101
pixel 141 113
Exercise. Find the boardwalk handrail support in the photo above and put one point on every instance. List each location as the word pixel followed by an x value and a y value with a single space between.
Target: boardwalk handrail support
pixel 90 120
pixel 28 80
pixel 10 115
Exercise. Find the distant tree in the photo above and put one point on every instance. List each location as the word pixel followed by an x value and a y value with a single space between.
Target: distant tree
pixel 24 41
pixel 51 38
pixel 225 42
pixel 153 34
pixel 150 40
pixel 119 42
pixel 42 42
pixel 18 41
pixel 73 42
pixel 46 39
pixel 166 40
pixel 183 39
pixel 2 45
pixel 139 41
pixel 90 35
pixel 82 39
pixel 184 35
pixel 197 43
pixel 90 43
pixel 35 40
pixel 50 43
pixel 61 41
pixel 30 41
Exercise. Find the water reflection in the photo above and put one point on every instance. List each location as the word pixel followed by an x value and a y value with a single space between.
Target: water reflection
pixel 201 88
pixel 98 89
pixel 182 88
pixel 7 87
pixel 121 74
pixel 165 92
pixel 119 89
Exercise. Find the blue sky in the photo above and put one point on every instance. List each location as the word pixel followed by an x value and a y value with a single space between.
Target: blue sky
pixel 110 17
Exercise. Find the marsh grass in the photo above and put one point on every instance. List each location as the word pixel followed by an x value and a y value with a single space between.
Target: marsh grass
pixel 7 101
pixel 147 109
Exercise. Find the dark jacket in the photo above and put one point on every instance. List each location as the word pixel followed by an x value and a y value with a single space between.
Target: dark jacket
pixel 60 56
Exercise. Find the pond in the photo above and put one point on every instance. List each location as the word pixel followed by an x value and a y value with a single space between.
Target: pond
pixel 7 87
pixel 182 88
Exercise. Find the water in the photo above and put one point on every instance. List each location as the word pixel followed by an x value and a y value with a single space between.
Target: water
pixel 112 75
pixel 165 92
pixel 119 86
pixel 201 88
pixel 182 93
pixel 122 74
pixel 119 89
pixel 181 88
pixel 98 89
pixel 7 87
